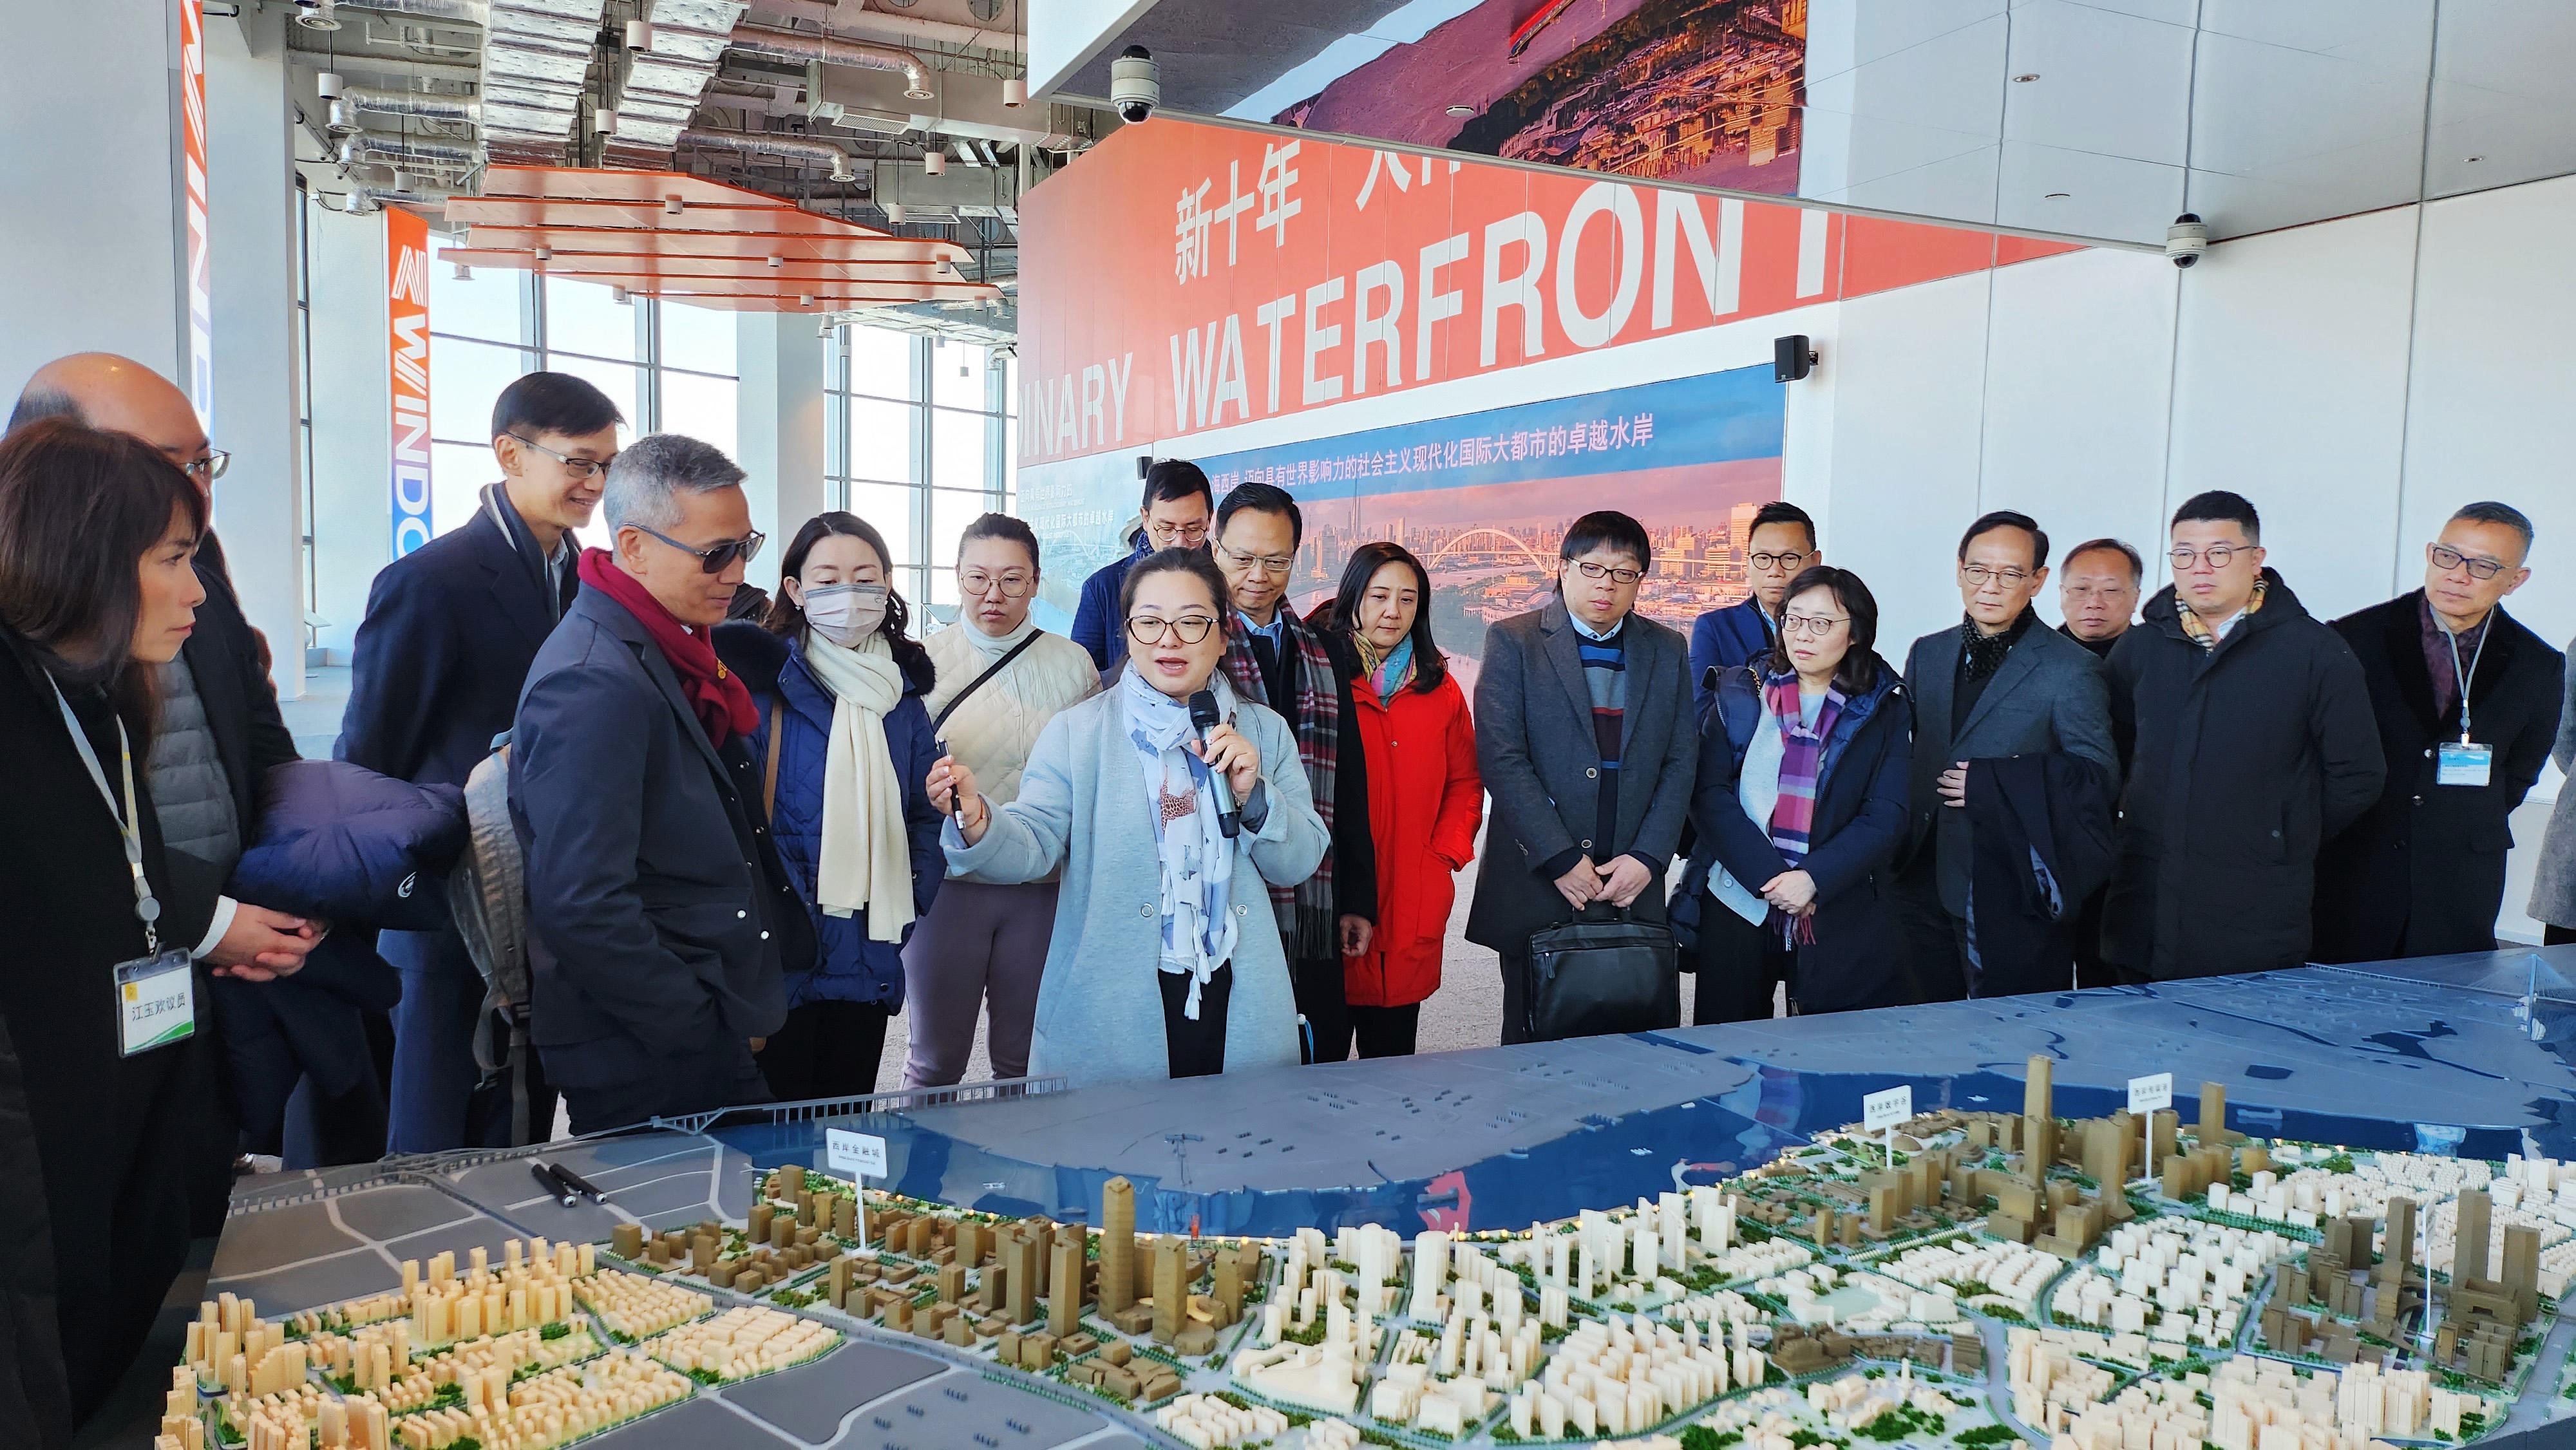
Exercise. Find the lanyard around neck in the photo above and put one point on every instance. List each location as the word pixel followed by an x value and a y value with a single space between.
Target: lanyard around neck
pixel 146 909
pixel 2461 675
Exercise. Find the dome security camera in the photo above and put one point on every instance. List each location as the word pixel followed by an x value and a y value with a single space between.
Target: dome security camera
pixel 1135 84
pixel 2185 240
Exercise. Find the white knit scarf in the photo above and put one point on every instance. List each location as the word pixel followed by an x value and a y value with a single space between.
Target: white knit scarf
pixel 866 860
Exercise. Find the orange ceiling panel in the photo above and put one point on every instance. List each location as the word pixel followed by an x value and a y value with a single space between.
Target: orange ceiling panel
pixel 619 266
pixel 758 245
pixel 528 212
pixel 565 183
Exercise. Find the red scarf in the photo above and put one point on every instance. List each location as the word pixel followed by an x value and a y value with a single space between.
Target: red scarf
pixel 723 702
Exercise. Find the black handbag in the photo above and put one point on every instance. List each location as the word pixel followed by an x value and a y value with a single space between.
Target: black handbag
pixel 1602 972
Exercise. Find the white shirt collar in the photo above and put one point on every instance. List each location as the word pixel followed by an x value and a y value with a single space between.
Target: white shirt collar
pixel 1588 632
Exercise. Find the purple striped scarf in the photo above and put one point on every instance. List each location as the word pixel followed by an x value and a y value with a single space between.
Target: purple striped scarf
pixel 1802 754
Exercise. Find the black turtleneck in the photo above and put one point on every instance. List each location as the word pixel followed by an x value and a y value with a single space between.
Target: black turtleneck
pixel 1980 655
pixel 2101 647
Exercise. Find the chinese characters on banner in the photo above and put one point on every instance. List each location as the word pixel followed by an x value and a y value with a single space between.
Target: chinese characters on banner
pixel 192 162
pixel 407 338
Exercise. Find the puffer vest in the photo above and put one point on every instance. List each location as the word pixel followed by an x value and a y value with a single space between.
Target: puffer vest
pixel 190 791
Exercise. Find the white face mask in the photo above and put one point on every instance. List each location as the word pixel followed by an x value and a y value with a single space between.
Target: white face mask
pixel 845 613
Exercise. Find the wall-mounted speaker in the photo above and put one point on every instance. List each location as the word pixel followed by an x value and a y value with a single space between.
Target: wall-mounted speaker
pixel 1144 464
pixel 1792 358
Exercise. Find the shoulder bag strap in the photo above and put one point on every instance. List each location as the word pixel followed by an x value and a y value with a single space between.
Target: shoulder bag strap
pixel 1014 652
pixel 769 776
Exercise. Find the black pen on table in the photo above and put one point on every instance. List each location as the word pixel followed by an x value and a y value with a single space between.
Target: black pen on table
pixel 577 1183
pixel 556 1189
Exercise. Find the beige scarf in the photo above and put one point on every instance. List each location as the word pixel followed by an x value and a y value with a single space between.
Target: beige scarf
pixel 865 860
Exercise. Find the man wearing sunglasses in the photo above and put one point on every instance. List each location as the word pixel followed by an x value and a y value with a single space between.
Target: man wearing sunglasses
pixel 2467 702
pixel 660 921
pixel 435 671
pixel 2246 728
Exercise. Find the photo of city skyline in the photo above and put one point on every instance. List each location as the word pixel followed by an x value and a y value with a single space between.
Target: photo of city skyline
pixel 1707 92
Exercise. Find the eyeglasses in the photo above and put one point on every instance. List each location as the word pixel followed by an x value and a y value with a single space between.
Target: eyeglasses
pixel 1145 629
pixel 1768 562
pixel 210 466
pixel 714 558
pixel 1263 564
pixel 584 468
pixel 1167 535
pixel 1982 575
pixel 1590 570
pixel 2446 557
pixel 1014 585
pixel 2218 555
pixel 1815 626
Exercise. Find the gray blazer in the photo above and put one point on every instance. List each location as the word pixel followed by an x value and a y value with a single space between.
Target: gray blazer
pixel 2049 694
pixel 1542 765
pixel 2553 879
pixel 1082 808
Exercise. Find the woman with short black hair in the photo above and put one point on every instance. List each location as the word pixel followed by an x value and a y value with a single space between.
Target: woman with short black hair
pixel 98 532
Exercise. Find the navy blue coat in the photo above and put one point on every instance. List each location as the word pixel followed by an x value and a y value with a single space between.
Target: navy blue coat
pixel 1859 823
pixel 1097 624
pixel 451 630
pixel 848 967
pixel 660 925
pixel 1721 640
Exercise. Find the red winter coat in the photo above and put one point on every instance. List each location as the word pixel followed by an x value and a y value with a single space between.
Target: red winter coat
pixel 1425 801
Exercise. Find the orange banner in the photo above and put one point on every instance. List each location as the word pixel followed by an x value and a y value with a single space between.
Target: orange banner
pixel 407 341
pixel 1179 277
pixel 192 161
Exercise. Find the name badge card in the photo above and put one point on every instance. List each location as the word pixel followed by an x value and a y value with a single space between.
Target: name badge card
pixel 156 1002
pixel 2461 763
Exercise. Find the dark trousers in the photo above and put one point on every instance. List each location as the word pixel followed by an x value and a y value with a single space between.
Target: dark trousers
pixel 1380 1032
pixel 1936 961
pixel 439 1099
pixel 2090 969
pixel 1196 1048
pixel 2557 936
pixel 721 1076
pixel 1739 966
pixel 1516 971
pixel 826 1050
pixel 1318 985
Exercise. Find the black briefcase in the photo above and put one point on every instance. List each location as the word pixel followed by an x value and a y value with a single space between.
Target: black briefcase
pixel 1602 972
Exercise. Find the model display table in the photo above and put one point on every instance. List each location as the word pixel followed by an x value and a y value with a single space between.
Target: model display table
pixel 1666 1239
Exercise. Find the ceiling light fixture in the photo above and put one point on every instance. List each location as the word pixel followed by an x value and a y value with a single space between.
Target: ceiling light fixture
pixel 1462 110
pixel 777 262
pixel 464 273
pixel 805 300
pixel 2025 78
pixel 326 84
pixel 934 162
pixel 639 35
pixel 894 213
pixel 621 295
pixel 1015 92
pixel 545 254
pixel 672 205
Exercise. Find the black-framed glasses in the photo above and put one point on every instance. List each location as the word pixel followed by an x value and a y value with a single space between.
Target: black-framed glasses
pixel 1768 562
pixel 1145 629
pixel 578 467
pixel 1982 574
pixel 1590 570
pixel 210 465
pixel 1014 585
pixel 2218 555
pixel 2445 557
pixel 714 558
pixel 1814 626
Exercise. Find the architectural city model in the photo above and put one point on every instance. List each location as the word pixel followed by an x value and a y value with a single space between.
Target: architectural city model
pixel 2007 1279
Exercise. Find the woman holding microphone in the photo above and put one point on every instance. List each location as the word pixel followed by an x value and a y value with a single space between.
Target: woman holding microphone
pixel 1168 824
pixel 1001 679
pixel 1425 798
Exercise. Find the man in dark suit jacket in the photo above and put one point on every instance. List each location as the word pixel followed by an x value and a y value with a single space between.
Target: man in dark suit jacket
pixel 1781 541
pixel 1996 684
pixel 1584 736
pixel 660 921
pixel 435 673
pixel 1178 507
pixel 2422 872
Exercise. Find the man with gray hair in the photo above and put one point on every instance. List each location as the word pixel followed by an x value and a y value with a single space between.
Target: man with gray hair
pixel 660 919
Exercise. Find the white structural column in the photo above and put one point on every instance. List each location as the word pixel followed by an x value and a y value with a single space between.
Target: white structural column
pixel 259 505
pixel 91 255
pixel 780 411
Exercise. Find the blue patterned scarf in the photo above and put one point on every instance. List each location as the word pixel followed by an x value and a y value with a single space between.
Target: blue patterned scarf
pixel 1182 798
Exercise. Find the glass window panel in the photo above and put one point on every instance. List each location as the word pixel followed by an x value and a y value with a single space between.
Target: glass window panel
pixel 943 595
pixel 957 375
pixel 881 363
pixel 703 408
pixel 622 384
pixel 1010 367
pixel 881 440
pixel 836 423
pixel 889 507
pixel 698 338
pixel 1011 466
pixel 950 513
pixel 465 379
pixel 836 366
pixel 957 449
pixel 583 317
pixel 457 473
pixel 486 305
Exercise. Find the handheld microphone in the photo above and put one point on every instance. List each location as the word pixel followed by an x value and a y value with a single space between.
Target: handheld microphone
pixel 1203 717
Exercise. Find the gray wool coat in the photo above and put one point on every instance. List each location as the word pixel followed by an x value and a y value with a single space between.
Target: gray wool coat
pixel 2553 880
pixel 1082 808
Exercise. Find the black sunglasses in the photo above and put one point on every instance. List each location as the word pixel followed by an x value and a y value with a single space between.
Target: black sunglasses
pixel 714 558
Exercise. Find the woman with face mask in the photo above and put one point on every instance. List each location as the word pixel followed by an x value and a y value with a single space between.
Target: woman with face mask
pixel 843 749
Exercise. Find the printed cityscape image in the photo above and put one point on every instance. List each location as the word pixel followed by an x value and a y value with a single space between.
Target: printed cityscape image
pixel 1700 91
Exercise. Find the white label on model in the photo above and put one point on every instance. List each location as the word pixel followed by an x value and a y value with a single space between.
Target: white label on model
pixel 859 1153
pixel 1887 1109
pixel 2151 1093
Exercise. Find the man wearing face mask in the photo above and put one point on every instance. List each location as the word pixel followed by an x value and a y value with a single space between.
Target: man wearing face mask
pixel 844 749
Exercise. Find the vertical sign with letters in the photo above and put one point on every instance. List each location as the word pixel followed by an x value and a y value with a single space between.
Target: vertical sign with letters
pixel 407 335
pixel 192 165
